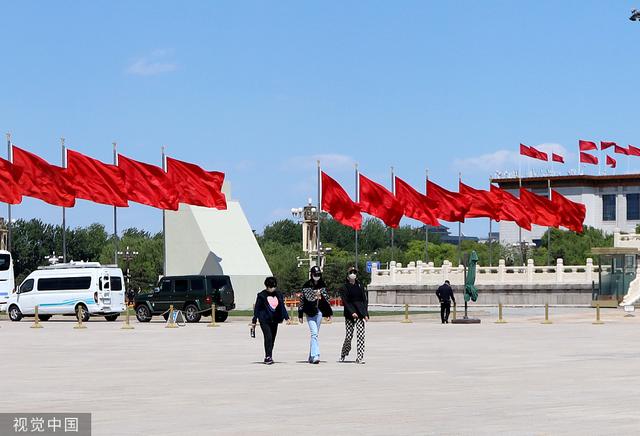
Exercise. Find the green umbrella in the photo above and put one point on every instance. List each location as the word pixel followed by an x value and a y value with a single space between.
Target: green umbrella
pixel 470 290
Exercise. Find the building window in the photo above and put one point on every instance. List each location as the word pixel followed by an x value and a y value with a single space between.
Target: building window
pixel 633 207
pixel 609 207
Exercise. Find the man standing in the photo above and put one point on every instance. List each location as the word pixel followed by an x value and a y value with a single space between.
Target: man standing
pixel 445 294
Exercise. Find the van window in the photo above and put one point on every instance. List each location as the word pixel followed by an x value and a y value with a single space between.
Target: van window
pixel 166 286
pixel 26 286
pixel 116 283
pixel 5 262
pixel 181 285
pixel 197 284
pixel 64 283
pixel 218 282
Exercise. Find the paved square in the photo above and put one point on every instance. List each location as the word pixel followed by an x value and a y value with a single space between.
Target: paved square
pixel 570 377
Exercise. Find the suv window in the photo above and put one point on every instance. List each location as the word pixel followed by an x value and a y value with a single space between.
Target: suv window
pixel 181 285
pixel 197 284
pixel 26 286
pixel 218 282
pixel 165 286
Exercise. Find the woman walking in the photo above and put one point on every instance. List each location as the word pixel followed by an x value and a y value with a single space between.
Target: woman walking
pixel 314 302
pixel 271 311
pixel 356 313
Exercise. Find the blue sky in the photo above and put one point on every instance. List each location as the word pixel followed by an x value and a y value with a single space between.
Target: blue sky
pixel 260 90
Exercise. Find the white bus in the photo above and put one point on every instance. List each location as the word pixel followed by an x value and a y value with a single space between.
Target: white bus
pixel 68 289
pixel 7 282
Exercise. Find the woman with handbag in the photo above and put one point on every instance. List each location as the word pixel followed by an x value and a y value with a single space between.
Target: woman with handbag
pixel 314 302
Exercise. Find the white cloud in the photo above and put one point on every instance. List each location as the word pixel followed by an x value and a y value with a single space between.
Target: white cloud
pixel 331 161
pixel 504 160
pixel 155 63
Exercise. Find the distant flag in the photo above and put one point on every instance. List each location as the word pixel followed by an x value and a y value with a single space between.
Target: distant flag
pixel 607 144
pixel 533 152
pixel 557 158
pixel 588 159
pixel 587 145
pixel 620 150
pixel 633 151
pixel 611 162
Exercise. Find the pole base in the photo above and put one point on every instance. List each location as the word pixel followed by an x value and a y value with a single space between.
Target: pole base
pixel 597 322
pixel 171 326
pixel 36 326
pixel 546 321
pixel 465 321
pixel 79 326
pixel 213 325
pixel 406 321
pixel 500 321
pixel 127 327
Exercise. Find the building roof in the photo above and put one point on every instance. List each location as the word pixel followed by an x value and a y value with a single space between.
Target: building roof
pixel 570 181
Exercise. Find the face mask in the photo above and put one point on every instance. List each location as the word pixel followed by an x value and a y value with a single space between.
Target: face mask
pixel 316 278
pixel 352 276
pixel 271 290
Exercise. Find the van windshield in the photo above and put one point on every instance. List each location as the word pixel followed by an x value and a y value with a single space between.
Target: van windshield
pixel 5 262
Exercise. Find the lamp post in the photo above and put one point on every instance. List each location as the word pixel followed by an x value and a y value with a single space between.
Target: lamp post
pixel 53 259
pixel 128 256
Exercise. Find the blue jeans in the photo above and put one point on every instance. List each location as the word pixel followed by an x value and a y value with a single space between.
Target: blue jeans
pixel 314 327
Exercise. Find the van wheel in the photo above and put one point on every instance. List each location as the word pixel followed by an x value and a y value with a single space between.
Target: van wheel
pixel 191 313
pixel 143 314
pixel 221 316
pixel 44 317
pixel 112 317
pixel 14 313
pixel 85 312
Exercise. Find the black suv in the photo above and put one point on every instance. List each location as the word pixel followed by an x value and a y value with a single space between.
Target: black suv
pixel 193 295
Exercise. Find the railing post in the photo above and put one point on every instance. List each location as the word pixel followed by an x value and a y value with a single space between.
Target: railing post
pixel 589 270
pixel 530 270
pixel 560 270
pixel 501 270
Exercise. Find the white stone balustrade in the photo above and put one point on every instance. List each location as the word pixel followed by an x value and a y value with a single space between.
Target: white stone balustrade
pixel 631 240
pixel 420 273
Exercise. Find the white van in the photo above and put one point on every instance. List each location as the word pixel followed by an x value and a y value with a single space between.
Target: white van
pixel 7 282
pixel 65 288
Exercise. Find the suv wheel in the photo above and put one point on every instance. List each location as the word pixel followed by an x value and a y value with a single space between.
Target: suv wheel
pixel 143 314
pixel 14 313
pixel 85 312
pixel 191 313
pixel 221 316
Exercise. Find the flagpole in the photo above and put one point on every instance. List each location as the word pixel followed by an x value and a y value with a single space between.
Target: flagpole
pixel 520 228
pixel 490 232
pixel 164 225
pixel 115 212
pixel 426 226
pixel 393 191
pixel 459 228
pixel 549 228
pixel 356 197
pixel 318 217
pixel 64 209
pixel 9 224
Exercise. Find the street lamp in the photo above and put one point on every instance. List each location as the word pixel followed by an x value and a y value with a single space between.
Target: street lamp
pixel 635 15
pixel 53 259
pixel 128 256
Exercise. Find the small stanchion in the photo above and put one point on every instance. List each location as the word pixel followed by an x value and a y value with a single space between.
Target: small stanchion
pixel 598 321
pixel 36 322
pixel 213 322
pixel 454 316
pixel 80 315
pixel 126 325
pixel 292 320
pixel 171 324
pixel 406 319
pixel 500 319
pixel 546 315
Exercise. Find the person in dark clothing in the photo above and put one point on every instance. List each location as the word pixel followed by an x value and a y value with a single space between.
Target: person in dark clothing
pixel 314 302
pixel 445 295
pixel 271 311
pixel 354 301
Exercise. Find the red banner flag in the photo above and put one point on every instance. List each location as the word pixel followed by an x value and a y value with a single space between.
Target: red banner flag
pixel 633 151
pixel 511 209
pixel 96 181
pixel 587 145
pixel 415 204
pixel 611 162
pixel 606 144
pixel 40 179
pixel 588 159
pixel 482 203
pixel 540 154
pixel 148 184
pixel 378 201
pixel 452 206
pixel 620 150
pixel 9 176
pixel 557 158
pixel 541 210
pixel 195 185
pixel 337 202
pixel 571 213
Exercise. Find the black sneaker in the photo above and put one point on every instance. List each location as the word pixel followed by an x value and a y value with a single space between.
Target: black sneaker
pixel 342 358
pixel 268 361
pixel 360 361
pixel 315 361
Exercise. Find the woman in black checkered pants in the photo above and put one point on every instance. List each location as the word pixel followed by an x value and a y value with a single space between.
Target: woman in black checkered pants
pixel 354 301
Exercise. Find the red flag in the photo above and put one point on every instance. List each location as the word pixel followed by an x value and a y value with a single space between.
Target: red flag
pixel 541 210
pixel 40 179
pixel 415 204
pixel 376 200
pixel 571 213
pixel 195 185
pixel 482 203
pixel 338 203
pixel 9 176
pixel 634 151
pixel 452 206
pixel 587 145
pixel 511 209
pixel 539 154
pixel 148 184
pixel 96 181
pixel 588 159
pixel 606 144
pixel 557 158
pixel 611 162
pixel 526 151
pixel 620 150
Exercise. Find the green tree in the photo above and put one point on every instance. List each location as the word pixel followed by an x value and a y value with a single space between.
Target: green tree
pixel 284 232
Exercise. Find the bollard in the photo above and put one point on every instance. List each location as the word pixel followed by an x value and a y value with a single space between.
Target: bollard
pixel 291 320
pixel 500 319
pixel 598 321
pixel 546 314
pixel 80 315
pixel 406 319
pixel 36 322
pixel 454 316
pixel 171 324
pixel 213 317
pixel 126 325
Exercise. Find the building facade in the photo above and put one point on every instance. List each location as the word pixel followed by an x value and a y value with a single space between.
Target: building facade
pixel 612 201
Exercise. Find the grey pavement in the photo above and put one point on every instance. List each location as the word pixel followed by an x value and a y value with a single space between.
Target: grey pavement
pixel 522 377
